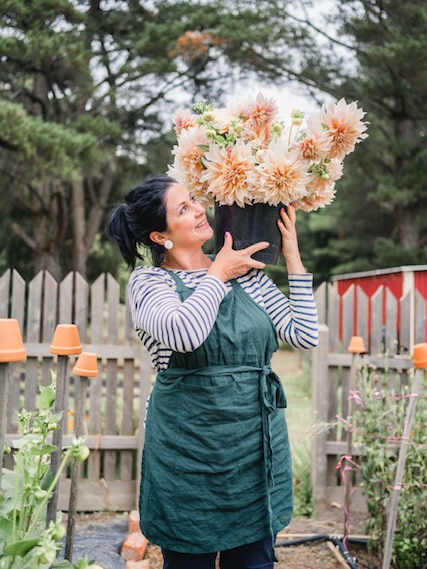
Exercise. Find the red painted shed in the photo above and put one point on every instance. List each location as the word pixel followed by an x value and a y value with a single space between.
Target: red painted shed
pixel 398 280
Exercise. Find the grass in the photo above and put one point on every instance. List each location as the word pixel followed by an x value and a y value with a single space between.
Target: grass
pixel 293 368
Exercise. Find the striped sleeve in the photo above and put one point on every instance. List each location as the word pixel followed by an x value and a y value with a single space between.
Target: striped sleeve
pixel 158 311
pixel 295 317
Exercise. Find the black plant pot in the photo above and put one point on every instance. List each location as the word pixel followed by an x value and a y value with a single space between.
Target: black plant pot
pixel 249 225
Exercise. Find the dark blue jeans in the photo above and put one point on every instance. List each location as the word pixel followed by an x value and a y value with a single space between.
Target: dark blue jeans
pixel 257 555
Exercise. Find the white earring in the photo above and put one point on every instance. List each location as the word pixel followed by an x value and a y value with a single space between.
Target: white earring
pixel 168 244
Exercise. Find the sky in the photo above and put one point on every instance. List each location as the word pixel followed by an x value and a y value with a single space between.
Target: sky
pixel 292 96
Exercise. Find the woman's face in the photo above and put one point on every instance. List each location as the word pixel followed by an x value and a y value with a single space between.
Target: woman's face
pixel 187 224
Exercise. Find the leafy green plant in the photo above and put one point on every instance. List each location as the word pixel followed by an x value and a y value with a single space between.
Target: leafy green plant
pixel 303 488
pixel 26 542
pixel 379 422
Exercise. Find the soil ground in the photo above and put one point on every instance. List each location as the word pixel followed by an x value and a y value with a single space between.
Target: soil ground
pixel 101 536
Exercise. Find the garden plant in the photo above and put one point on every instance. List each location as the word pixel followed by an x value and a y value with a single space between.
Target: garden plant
pixel 381 401
pixel 26 540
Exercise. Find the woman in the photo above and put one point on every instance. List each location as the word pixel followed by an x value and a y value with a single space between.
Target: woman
pixel 216 468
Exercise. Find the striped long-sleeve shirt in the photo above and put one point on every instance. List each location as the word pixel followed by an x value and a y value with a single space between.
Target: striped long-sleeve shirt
pixel 165 324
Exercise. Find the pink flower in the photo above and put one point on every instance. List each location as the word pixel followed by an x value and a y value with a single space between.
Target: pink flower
pixel 344 126
pixel 282 175
pixel 259 116
pixel 316 144
pixel 321 190
pixel 183 120
pixel 188 167
pixel 243 154
pixel 230 173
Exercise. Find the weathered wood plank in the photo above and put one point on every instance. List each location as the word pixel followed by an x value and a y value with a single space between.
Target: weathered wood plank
pixel 320 296
pixel 377 341
pixel 99 496
pixel 391 322
pixel 17 311
pixel 103 351
pixel 128 416
pixel 94 442
pixel 4 294
pixel 81 308
pixel 362 327
pixel 420 319
pixel 97 293
pixel 18 299
pixel 348 316
pixel 406 332
pixel 66 300
pixel 334 311
pixel 112 401
pixel 320 415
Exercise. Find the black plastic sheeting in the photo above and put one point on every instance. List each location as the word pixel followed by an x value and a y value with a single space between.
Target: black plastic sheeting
pixel 101 541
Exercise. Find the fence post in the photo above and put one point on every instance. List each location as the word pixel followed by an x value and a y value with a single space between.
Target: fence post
pixel 320 415
pixel 11 350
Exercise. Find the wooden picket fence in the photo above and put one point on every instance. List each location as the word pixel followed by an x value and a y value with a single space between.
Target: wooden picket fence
pixel 115 403
pixel 390 328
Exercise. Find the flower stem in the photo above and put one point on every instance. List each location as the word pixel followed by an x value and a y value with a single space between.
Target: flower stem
pixel 43 503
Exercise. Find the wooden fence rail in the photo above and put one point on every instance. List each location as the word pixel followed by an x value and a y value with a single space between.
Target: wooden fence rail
pixel 115 404
pixel 389 341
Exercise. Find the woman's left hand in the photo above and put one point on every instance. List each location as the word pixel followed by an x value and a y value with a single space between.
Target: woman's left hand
pixel 290 249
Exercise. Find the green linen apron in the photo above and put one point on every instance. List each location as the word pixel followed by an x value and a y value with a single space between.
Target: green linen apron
pixel 216 466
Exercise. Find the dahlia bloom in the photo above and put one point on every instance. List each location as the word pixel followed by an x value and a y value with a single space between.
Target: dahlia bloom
pixel 245 154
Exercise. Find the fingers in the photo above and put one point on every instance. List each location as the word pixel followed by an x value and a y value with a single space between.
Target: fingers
pixel 228 244
pixel 230 263
pixel 288 216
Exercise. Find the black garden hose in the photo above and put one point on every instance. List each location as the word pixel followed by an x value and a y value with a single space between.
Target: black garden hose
pixel 325 537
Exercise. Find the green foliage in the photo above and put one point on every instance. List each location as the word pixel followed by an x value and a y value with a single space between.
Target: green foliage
pixel 379 421
pixel 303 488
pixel 25 541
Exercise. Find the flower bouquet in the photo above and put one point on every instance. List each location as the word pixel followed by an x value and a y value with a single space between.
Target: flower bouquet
pixel 245 155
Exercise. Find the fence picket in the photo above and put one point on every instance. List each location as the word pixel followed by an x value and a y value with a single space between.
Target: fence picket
pixel 391 322
pixel 4 294
pixel 362 314
pixel 377 334
pixel 420 318
pixel 81 301
pixel 66 300
pixel 111 425
pixel 97 293
pixel 348 315
pixel 406 334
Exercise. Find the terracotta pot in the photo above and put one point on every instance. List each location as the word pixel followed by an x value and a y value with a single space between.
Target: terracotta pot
pixel 66 341
pixel 249 225
pixel 86 365
pixel 11 346
pixel 357 345
pixel 420 355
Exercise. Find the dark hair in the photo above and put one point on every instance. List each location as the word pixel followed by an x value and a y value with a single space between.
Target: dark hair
pixel 144 211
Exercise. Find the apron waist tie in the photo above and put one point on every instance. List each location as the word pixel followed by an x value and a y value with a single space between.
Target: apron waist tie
pixel 271 393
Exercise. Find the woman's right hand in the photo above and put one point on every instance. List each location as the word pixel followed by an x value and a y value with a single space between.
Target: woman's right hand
pixel 230 263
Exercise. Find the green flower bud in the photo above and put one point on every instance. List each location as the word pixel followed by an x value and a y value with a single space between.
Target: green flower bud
pixel 277 128
pixel 297 117
pixel 208 116
pixel 210 133
pixel 79 451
